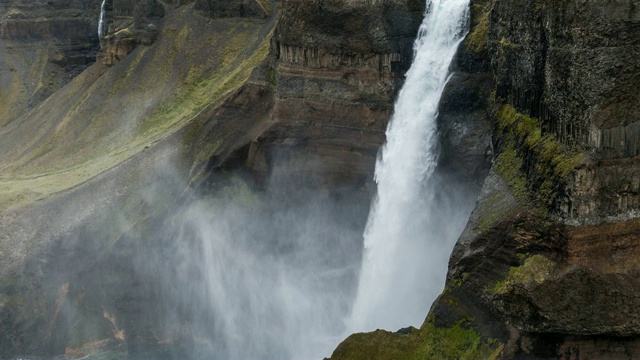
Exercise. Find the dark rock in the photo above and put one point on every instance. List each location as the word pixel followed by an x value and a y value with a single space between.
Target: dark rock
pixel 352 27
pixel 335 83
pixel 235 8
pixel 407 330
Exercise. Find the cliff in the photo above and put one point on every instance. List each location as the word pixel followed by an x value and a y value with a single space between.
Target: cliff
pixel 546 266
pixel 42 47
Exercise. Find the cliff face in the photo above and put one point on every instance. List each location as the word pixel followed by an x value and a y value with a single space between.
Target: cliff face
pixel 339 65
pixel 547 266
pixel 43 45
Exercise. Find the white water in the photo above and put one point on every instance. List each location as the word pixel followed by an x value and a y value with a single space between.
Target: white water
pixel 408 237
pixel 101 23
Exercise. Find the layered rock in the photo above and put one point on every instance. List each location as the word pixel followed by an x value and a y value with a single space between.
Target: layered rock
pixel 238 8
pixel 43 45
pixel 128 24
pixel 112 149
pixel 563 183
pixel 339 66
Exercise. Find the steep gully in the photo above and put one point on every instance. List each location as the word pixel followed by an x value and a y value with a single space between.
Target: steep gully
pixel 411 230
pixel 528 228
pixel 282 279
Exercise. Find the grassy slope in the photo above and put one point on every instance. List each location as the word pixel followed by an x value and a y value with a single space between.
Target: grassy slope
pixel 106 116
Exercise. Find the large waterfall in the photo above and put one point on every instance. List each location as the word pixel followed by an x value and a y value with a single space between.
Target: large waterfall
pixel 407 239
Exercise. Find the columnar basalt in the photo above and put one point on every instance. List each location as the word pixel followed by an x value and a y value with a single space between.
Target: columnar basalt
pixel 339 65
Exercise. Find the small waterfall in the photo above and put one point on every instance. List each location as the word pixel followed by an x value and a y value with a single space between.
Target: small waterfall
pixel 102 23
pixel 409 235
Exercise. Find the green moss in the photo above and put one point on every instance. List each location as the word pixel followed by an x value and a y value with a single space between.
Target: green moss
pixel 478 38
pixel 430 342
pixel 535 270
pixel 507 44
pixel 200 91
pixel 539 185
pixel 508 166
pixel 271 78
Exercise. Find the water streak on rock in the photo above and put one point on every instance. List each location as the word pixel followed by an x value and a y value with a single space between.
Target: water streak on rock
pixel 102 30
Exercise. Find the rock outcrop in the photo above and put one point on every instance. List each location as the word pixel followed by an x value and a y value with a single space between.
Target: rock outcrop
pixel 542 112
pixel 258 9
pixel 128 24
pixel 339 66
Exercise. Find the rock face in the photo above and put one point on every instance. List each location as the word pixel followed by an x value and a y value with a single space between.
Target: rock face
pixel 129 24
pixel 573 66
pixel 547 266
pixel 238 8
pixel 43 45
pixel 339 65
pixel 542 112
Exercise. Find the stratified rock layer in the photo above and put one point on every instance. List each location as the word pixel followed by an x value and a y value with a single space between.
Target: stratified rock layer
pixel 43 45
pixel 547 264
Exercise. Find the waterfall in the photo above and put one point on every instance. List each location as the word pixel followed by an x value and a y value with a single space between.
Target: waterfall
pixel 409 234
pixel 102 31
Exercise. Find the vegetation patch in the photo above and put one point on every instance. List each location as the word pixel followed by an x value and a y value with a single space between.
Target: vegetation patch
pixel 266 6
pixel 478 38
pixel 534 271
pixel 534 164
pixel 151 94
pixel 430 342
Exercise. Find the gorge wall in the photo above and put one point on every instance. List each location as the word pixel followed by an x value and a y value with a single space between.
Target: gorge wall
pixel 546 267
pixel 44 45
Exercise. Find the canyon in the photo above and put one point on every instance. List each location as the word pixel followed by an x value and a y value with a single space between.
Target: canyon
pixel 109 142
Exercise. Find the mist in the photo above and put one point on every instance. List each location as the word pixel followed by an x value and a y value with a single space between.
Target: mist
pixel 246 274
pixel 279 273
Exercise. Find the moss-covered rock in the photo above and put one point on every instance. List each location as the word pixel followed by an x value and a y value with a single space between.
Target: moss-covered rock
pixel 459 341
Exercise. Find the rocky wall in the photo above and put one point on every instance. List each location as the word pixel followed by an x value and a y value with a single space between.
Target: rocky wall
pixel 547 265
pixel 335 82
pixel 43 45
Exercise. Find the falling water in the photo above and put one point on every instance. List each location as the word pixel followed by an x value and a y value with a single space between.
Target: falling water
pixel 407 238
pixel 102 31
